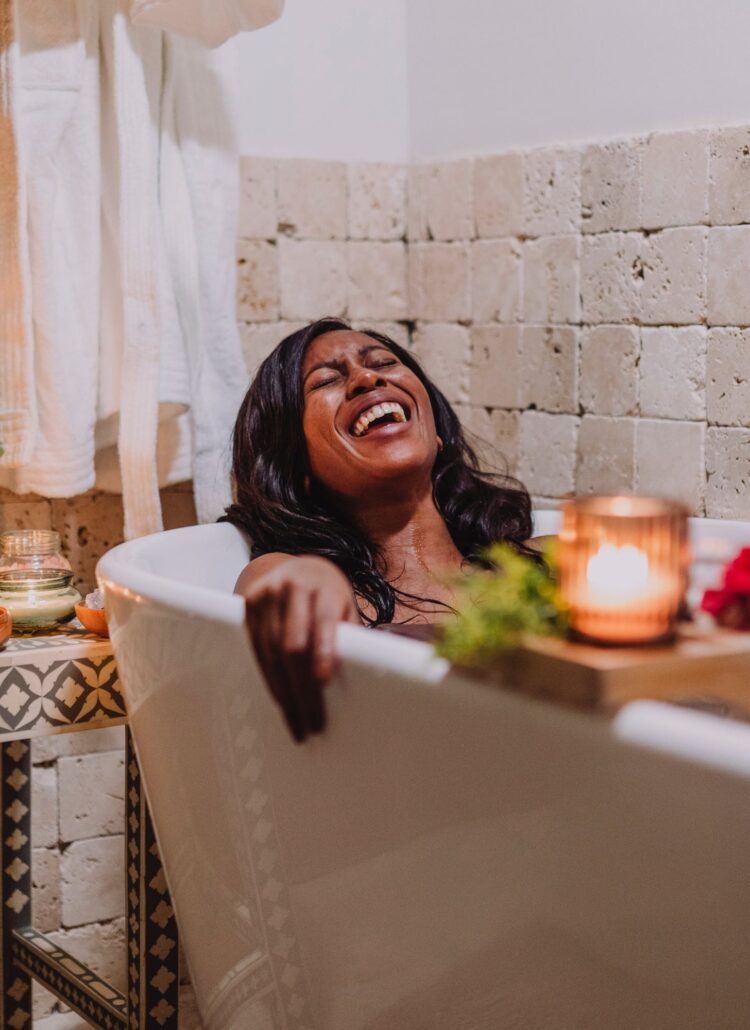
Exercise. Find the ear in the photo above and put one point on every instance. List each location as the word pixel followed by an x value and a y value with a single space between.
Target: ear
pixel 306 484
pixel 440 443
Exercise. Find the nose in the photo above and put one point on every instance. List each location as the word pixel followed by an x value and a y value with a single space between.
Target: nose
pixel 362 380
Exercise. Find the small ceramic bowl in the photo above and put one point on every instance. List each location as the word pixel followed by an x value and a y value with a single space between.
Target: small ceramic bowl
pixel 93 619
pixel 6 627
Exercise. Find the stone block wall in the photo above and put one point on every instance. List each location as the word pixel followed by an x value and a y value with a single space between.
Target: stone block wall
pixel 78 782
pixel 320 238
pixel 585 308
pixel 587 311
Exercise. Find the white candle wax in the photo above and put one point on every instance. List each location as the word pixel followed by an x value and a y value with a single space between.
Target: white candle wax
pixel 35 608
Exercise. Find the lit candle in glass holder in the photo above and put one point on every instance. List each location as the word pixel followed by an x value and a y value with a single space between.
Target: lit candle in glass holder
pixel 623 568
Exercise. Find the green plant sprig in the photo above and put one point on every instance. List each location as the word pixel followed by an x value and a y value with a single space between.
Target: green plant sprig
pixel 495 607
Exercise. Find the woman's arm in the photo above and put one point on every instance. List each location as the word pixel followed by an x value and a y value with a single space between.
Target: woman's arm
pixel 292 607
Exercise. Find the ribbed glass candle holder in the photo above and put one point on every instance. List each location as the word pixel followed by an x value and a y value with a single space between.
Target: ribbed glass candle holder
pixel 623 568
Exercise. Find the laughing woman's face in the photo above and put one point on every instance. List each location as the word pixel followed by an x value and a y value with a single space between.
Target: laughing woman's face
pixel 367 421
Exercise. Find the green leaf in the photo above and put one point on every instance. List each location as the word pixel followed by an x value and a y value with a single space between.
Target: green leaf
pixel 495 607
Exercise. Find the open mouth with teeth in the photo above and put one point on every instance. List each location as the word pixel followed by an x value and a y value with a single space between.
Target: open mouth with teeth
pixel 379 415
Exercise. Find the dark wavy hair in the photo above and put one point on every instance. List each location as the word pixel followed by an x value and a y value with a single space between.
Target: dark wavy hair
pixel 281 508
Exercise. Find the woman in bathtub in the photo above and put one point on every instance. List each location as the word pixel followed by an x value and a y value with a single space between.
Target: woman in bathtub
pixel 362 500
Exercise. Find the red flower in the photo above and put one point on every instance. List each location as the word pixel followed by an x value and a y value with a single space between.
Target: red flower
pixel 730 605
pixel 737 573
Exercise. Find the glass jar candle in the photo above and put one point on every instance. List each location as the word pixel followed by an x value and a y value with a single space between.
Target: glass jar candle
pixel 623 568
pixel 35 579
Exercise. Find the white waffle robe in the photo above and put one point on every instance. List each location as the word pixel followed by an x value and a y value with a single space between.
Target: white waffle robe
pixel 120 363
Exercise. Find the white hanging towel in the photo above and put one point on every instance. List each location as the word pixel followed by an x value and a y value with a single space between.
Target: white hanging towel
pixel 17 400
pixel 125 335
pixel 53 385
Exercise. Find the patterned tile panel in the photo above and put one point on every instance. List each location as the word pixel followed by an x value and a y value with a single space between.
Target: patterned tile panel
pixel 61 681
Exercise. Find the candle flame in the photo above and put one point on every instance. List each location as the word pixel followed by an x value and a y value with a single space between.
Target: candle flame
pixel 618 572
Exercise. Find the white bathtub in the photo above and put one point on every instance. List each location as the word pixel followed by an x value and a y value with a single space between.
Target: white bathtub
pixel 447 856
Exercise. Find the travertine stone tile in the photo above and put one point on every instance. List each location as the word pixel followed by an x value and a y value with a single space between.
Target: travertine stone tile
pixel 674 277
pixel 496 280
pixel 606 455
pixel 675 179
pixel 377 280
pixel 673 372
pixel 609 370
pixel 611 277
pixel 59 1020
pixel 729 276
pixel 670 458
pixel 178 508
pixel 549 366
pixel 44 831
pixel 100 946
pixel 728 377
pixel 547 459
pixel 100 861
pixel 477 427
pixel 728 471
pixel 396 331
pixel 45 893
pixel 498 195
pixel 417 178
pixel 259 339
pixel 25 512
pixel 314 279
pixel 88 525
pixel 450 200
pixel 494 379
pixel 91 795
pixel 552 192
pixel 493 436
pixel 257 214
pixel 47 749
pixel 43 1004
pixel 729 172
pixel 439 282
pixel 444 352
pixel 377 201
pixel 551 279
pixel 312 201
pixel 257 281
pixel 506 438
pixel 611 186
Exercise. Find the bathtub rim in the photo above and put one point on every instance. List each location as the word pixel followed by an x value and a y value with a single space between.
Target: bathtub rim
pixel 117 571
pixel 118 568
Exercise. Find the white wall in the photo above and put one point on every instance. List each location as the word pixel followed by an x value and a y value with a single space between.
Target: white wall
pixel 328 80
pixel 491 74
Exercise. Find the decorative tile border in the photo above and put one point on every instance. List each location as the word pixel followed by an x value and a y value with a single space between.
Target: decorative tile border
pixel 57 682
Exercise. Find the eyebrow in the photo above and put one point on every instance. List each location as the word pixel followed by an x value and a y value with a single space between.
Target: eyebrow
pixel 363 352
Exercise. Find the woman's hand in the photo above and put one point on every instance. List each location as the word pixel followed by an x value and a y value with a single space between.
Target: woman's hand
pixel 292 606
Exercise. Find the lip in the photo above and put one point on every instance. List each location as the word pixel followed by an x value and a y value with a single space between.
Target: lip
pixel 379 398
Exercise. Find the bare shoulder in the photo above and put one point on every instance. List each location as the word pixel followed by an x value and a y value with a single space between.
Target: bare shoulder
pixel 259 567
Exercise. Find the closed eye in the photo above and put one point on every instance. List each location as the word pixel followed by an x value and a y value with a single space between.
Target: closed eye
pixel 324 382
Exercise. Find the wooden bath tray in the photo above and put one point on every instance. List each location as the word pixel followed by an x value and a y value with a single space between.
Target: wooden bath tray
pixel 703 668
